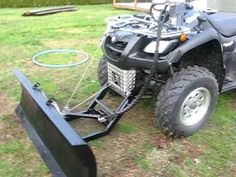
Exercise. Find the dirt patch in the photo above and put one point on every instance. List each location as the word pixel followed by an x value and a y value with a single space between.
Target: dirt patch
pixel 191 150
pixel 161 141
pixel 10 129
pixel 180 150
pixel 117 156
pixel 7 104
pixel 233 104
pixel 141 153
pixel 1 125
pixel 233 170
pixel 143 117
pixel 114 159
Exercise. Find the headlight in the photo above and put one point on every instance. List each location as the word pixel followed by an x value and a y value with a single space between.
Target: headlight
pixel 102 41
pixel 151 47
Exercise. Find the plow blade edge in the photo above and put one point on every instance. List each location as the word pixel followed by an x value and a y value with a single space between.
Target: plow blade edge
pixel 63 150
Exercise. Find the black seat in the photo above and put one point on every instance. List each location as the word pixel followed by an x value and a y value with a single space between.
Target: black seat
pixel 224 23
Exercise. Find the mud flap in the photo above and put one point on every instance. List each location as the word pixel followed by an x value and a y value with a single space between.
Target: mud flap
pixel 63 150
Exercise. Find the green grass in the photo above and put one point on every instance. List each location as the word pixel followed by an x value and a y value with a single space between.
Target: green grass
pixel 11 147
pixel 135 147
pixel 126 128
pixel 6 169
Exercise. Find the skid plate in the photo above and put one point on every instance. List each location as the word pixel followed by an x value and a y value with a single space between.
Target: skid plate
pixel 63 150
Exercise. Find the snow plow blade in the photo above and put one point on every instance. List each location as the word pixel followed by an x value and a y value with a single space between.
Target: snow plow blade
pixel 63 150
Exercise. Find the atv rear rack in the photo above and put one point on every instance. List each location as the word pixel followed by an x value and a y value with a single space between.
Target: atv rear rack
pixel 65 152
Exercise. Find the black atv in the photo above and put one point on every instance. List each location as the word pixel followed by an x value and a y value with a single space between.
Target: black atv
pixel 180 55
pixel 193 62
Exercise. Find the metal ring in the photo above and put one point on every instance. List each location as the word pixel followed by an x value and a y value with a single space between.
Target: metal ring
pixel 35 57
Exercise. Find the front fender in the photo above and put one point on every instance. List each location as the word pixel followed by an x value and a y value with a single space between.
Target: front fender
pixel 197 40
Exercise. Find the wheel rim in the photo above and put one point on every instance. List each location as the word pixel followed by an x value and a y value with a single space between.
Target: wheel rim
pixel 195 106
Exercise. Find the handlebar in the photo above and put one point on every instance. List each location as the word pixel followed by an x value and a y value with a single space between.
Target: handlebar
pixel 162 11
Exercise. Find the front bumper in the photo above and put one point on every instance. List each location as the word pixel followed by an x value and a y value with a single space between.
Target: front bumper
pixel 128 53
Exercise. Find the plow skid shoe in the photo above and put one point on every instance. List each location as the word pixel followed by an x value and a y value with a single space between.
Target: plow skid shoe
pixel 63 150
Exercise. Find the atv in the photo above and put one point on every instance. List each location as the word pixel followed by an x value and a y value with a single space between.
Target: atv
pixel 180 55
pixel 184 67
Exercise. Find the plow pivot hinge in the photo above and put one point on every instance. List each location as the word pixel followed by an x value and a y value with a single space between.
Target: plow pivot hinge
pixel 52 102
pixel 36 86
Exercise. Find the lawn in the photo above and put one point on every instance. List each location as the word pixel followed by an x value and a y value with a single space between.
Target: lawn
pixel 136 147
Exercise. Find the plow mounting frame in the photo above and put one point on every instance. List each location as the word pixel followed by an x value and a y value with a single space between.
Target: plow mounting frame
pixel 64 151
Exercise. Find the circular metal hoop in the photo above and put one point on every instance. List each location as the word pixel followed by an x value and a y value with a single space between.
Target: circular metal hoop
pixel 35 58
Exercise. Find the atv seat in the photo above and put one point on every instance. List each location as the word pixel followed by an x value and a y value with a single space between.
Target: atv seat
pixel 224 23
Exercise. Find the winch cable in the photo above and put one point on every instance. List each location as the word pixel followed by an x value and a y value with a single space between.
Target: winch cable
pixel 161 21
pixel 67 106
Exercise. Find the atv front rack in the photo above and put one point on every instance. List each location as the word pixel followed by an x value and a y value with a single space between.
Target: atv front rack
pixel 65 152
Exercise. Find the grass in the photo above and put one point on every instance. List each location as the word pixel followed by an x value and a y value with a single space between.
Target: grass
pixel 126 128
pixel 136 147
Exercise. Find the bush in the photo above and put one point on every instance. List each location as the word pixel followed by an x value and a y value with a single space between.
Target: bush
pixel 40 3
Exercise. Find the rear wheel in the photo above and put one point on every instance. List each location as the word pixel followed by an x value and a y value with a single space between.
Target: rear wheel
pixel 186 102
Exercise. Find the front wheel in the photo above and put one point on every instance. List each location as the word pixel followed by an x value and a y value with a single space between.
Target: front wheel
pixel 103 74
pixel 187 101
pixel 102 71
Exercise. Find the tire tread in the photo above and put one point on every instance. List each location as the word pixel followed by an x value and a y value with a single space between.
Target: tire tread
pixel 172 91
